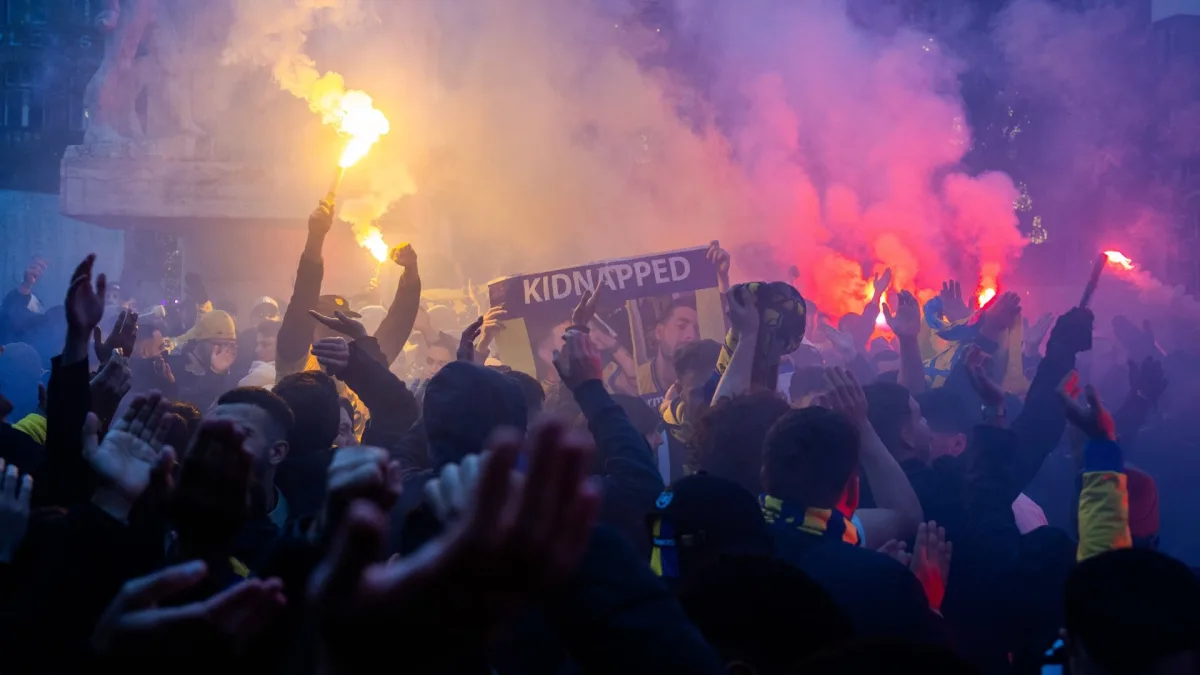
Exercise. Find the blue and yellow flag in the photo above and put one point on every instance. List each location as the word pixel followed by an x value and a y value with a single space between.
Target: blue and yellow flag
pixel 946 341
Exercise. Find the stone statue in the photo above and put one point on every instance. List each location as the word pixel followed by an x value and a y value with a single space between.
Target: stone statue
pixel 143 53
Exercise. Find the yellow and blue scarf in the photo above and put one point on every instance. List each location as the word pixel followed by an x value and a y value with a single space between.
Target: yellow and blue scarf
pixel 818 522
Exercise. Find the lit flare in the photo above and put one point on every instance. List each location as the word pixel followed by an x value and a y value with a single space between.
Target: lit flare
pixel 1119 259
pixel 985 295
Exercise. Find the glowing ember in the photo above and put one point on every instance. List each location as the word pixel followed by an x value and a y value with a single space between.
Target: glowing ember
pixel 1118 258
pixel 985 295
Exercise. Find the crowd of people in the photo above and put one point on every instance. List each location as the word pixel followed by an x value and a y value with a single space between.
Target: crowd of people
pixel 319 489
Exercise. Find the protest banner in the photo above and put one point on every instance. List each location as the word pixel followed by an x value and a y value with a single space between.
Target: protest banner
pixel 649 307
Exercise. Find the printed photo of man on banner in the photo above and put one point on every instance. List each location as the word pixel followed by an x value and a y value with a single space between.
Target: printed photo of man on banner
pixel 649 307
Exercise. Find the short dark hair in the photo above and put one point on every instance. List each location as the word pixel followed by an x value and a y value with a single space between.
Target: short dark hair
pixel 313 399
pixel 1132 608
pixel 810 454
pixel 643 417
pixel 764 612
pixel 535 395
pixel 889 411
pixel 946 411
pixel 677 303
pixel 729 437
pixel 697 357
pixel 283 421
pixel 184 419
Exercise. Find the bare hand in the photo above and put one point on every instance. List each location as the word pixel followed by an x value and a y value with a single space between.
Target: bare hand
pixel 845 395
pixel 110 385
pixel 361 472
pixel 450 493
pixel 466 341
pixel 931 561
pixel 999 315
pixel 1092 419
pixel 1036 334
pixel 351 328
pixel 743 311
pixel 954 308
pixel 976 362
pixel 403 255
pixel 14 509
pixel 237 614
pixel 585 311
pixel 843 343
pixel 333 354
pixel 132 447
pixel 516 541
pixel 578 361
pixel 85 304
pixel 880 284
pixel 720 259
pixel 493 325
pixel 320 221
pixel 906 322
pixel 121 340
pixel 37 267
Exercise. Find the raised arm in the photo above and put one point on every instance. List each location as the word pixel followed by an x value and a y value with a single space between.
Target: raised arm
pixel 296 333
pixel 402 314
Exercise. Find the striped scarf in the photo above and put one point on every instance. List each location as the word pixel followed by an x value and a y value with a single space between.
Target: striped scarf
pixel 953 337
pixel 818 522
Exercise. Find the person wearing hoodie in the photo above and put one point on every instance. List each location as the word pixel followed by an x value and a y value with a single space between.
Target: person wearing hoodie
pixel 202 366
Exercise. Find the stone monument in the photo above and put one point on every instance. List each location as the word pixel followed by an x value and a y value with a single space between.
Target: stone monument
pixel 148 164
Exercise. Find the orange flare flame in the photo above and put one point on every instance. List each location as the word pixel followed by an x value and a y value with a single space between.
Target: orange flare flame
pixel 985 295
pixel 1118 258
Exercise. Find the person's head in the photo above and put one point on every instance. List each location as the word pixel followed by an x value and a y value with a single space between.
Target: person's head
pixel 345 437
pixel 644 418
pixel 535 395
pixel 183 420
pixel 215 340
pixel 267 422
pixel 807 383
pixel 20 373
pixel 729 437
pixel 464 404
pixel 763 616
pixel 266 339
pixel 1132 611
pixel 949 421
pixel 698 520
pixel 313 398
pixel 677 326
pixel 810 458
pixel 896 417
pixel 438 354
pixel 265 308
pixel 885 360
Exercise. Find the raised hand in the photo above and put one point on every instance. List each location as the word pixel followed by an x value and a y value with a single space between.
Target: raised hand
pixel 1072 333
pixel 35 270
pixel 493 325
pixel 999 315
pixel 361 472
pixel 720 259
pixel 351 328
pixel 131 448
pixel 585 311
pixel 1036 333
pixel 333 354
pixel 450 493
pixel 578 361
pixel 880 283
pixel 212 500
pixel 122 339
pixel 1092 419
pixel 109 385
pixel 516 542
pixel 953 306
pixel 976 363
pixel 1147 380
pixel 85 303
pixel 845 395
pixel 14 509
pixel 743 311
pixel 320 221
pixel 931 561
pixel 906 322
pixel 403 255
pixel 466 341
pixel 135 618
